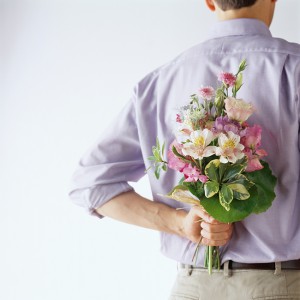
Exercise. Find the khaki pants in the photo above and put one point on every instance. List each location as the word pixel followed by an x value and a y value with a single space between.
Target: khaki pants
pixel 197 284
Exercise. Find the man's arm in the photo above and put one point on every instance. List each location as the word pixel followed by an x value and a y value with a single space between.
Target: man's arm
pixel 134 209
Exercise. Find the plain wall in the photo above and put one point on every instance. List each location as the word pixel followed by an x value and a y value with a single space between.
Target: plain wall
pixel 66 69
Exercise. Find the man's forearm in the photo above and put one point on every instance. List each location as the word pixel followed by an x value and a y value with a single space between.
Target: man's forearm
pixel 134 209
pixel 195 225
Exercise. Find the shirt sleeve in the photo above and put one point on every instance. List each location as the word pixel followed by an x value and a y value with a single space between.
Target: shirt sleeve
pixel 105 169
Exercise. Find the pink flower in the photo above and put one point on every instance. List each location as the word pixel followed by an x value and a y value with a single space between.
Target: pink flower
pixel 191 174
pixel 207 92
pixel 203 178
pixel 238 109
pixel 227 78
pixel 174 162
pixel 178 118
pixel 254 163
pixel 251 137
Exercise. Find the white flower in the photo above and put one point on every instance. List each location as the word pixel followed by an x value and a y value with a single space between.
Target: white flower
pixel 230 149
pixel 198 147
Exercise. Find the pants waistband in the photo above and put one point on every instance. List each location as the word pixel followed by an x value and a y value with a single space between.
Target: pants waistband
pixel 231 265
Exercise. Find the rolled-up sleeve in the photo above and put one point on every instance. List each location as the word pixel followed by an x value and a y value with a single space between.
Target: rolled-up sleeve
pixel 105 169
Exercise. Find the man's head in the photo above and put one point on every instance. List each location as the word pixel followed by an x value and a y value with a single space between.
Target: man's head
pixel 233 9
pixel 234 4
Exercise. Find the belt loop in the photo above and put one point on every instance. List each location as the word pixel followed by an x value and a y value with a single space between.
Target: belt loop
pixel 277 268
pixel 188 269
pixel 226 271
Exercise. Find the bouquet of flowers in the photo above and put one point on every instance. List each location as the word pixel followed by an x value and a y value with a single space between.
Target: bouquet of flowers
pixel 219 156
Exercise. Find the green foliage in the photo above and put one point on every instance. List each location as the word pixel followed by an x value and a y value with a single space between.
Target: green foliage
pixel 231 194
pixel 211 188
pixel 260 186
pixel 226 196
pixel 157 159
pixel 211 170
pixel 265 183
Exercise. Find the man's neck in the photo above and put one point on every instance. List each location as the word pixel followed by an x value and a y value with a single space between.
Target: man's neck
pixel 262 11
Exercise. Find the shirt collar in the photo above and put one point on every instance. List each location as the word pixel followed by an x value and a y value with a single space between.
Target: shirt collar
pixel 239 27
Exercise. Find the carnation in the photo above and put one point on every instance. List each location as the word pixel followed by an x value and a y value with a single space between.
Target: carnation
pixel 227 78
pixel 207 92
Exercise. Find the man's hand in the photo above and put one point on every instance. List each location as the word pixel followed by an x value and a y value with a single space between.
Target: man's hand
pixel 199 223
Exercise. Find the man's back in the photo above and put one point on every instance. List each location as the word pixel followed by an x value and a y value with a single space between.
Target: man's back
pixel 272 84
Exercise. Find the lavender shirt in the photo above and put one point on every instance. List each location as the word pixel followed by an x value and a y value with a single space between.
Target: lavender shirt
pixel 272 84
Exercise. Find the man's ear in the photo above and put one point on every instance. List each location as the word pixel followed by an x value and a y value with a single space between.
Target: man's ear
pixel 211 5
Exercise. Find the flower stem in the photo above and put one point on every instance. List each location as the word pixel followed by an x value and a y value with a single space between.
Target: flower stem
pixel 210 251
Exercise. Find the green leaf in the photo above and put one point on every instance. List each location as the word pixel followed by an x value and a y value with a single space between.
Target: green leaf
pixel 241 179
pixel 164 167
pixel 174 150
pixel 156 153
pixel 226 197
pixel 157 171
pixel 196 188
pixel 211 188
pixel 239 191
pixel 163 149
pixel 265 182
pixel 239 82
pixel 261 197
pixel 211 170
pixel 232 171
pixel 181 181
pixel 178 187
pixel 152 158
pixel 239 210
pixel 157 143
pixel 222 169
pixel 181 193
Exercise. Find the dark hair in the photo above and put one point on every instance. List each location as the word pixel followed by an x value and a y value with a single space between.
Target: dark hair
pixel 234 4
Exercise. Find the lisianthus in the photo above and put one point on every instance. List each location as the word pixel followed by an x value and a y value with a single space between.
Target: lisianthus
pixel 238 109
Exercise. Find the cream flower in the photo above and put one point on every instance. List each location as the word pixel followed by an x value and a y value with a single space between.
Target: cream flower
pixel 238 109
pixel 230 149
pixel 198 146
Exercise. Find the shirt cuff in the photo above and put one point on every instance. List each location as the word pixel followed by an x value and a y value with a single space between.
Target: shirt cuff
pixel 98 195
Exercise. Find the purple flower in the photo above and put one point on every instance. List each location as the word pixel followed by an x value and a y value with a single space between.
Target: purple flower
pixel 224 124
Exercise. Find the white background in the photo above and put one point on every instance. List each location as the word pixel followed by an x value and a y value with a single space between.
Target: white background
pixel 66 69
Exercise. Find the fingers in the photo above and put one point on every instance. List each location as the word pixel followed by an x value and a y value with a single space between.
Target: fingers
pixel 215 234
pixel 199 224
pixel 200 212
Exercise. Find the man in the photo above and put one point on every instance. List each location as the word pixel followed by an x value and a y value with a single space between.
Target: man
pixel 260 255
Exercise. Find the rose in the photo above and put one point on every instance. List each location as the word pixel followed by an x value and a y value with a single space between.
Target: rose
pixel 238 109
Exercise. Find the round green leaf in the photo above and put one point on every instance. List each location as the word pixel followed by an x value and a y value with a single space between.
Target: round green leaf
pixel 239 210
pixel 265 182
